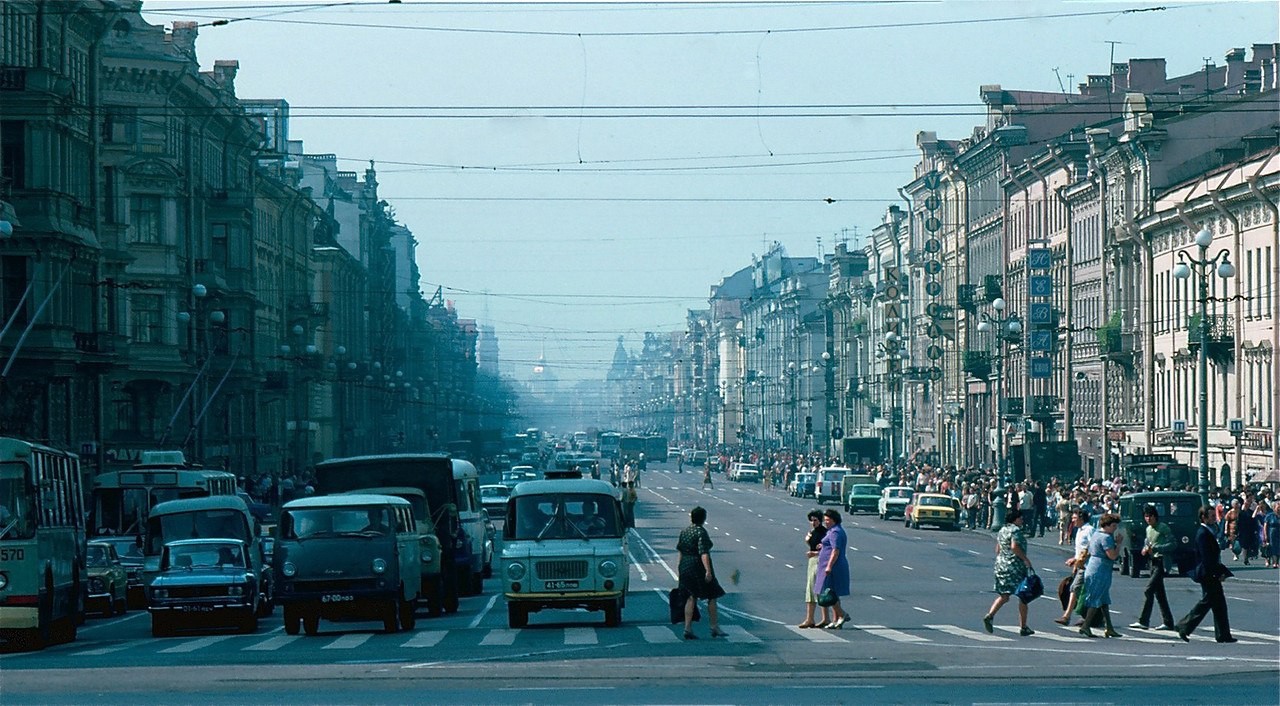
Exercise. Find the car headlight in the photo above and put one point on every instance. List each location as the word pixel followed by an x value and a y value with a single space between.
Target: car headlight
pixel 289 569
pixel 4 581
pixel 427 557
pixel 235 590
pixel 96 585
pixel 515 571
pixel 379 565
pixel 608 568
pixel 159 593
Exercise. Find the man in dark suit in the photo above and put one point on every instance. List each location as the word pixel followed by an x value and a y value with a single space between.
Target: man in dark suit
pixel 1210 572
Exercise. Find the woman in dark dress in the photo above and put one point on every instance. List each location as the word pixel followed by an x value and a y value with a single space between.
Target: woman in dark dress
pixel 833 565
pixel 697 578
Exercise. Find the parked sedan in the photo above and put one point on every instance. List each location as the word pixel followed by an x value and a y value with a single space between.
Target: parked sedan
pixel 108 580
pixel 204 582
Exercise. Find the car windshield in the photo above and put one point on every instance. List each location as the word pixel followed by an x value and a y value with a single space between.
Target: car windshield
pixel 494 492
pixel 196 524
pixel 866 490
pixel 126 547
pixel 944 502
pixel 832 476
pixel 898 493
pixel 16 516
pixel 205 555
pixel 347 521
pixel 805 478
pixel 563 516
pixel 97 555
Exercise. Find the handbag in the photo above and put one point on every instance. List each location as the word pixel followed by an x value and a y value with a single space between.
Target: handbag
pixel 1030 589
pixel 828 598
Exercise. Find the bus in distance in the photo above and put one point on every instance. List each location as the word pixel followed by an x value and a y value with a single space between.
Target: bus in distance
pixel 122 500
pixel 42 544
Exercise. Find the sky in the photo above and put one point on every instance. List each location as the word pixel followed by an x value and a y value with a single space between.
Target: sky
pixel 576 172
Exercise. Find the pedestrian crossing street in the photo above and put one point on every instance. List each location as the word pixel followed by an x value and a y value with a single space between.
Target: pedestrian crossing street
pixel 336 643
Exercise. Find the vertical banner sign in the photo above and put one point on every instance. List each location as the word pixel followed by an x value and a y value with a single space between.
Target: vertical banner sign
pixel 933 266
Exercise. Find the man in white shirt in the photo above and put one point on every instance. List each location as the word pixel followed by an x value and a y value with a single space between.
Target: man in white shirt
pixel 1083 530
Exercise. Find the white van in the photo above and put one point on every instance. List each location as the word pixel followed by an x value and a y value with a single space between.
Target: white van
pixel 471 515
pixel 829 483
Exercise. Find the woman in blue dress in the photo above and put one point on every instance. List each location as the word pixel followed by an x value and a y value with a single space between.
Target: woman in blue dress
pixel 833 565
pixel 1097 575
pixel 1271 535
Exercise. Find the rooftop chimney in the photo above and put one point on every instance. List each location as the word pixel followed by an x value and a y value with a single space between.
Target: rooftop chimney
pixel 1095 85
pixel 1235 68
pixel 183 37
pixel 224 72
pixel 1120 76
pixel 1146 75
pixel 1264 56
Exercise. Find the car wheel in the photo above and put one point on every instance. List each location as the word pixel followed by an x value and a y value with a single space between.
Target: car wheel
pixel 517 616
pixel 311 623
pixel 122 606
pixel 613 614
pixel 160 626
pixel 408 615
pixel 108 607
pixel 391 617
pixel 292 621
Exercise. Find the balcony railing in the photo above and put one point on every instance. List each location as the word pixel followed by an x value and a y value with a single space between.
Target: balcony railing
pixel 94 342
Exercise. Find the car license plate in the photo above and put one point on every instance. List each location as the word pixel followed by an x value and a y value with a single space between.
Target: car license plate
pixel 196 609
pixel 561 584
pixel 337 598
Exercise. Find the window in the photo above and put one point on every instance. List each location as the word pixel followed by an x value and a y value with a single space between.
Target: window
pixel 218 244
pixel 144 220
pixel 13 153
pixel 144 318
pixel 13 270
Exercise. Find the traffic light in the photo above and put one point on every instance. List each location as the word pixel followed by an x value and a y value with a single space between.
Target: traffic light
pixel 808 426
pixel 777 427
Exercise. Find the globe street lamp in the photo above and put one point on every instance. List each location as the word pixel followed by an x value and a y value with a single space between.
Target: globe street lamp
pixel 1010 330
pixel 1202 264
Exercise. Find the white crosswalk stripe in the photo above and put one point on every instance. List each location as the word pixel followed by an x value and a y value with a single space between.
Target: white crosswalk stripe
pixel 891 634
pixel 426 638
pixel 816 634
pixel 581 636
pixel 657 634
pixel 1044 634
pixel 348 642
pixel 272 644
pixel 499 637
pixel 968 634
pixel 737 633
pixel 194 645
pixel 1255 635
pixel 108 650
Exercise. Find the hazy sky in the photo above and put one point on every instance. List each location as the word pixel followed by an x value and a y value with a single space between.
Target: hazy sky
pixel 596 168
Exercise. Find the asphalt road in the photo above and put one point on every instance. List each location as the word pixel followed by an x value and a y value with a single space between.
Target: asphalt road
pixel 916 634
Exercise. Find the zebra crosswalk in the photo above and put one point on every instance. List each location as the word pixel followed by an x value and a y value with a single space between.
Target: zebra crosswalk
pixel 579 636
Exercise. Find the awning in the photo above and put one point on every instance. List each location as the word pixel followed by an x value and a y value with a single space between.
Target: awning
pixel 1269 476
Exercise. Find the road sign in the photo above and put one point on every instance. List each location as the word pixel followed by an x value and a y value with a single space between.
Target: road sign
pixel 1041 367
pixel 1235 426
pixel 1039 259
pixel 1040 285
pixel 1179 426
pixel 837 432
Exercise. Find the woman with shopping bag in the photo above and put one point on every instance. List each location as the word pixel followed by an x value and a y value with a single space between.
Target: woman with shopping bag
pixel 1012 566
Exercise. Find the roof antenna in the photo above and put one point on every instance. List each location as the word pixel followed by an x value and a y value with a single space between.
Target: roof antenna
pixel 1061 87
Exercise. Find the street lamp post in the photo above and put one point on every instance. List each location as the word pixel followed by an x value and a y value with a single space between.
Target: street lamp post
pixel 1202 264
pixel 1009 328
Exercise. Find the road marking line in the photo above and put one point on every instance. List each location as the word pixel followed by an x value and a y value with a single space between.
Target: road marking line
pixel 854 548
pixel 581 636
pixel 475 622
pixel 891 634
pixel 878 598
pixel 1238 598
pixel 348 642
pixel 1045 635
pixel 194 645
pixel 770 556
pixel 816 634
pixel 922 610
pixel 876 557
pixel 657 634
pixel 737 633
pixel 109 650
pixel 752 546
pixel 944 578
pixel 1258 635
pixel 975 553
pixel 499 636
pixel 789 566
pixel 644 575
pixel 736 539
pixel 273 643
pixel 1130 636
pixel 969 634
pixel 908 568
pixel 426 638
